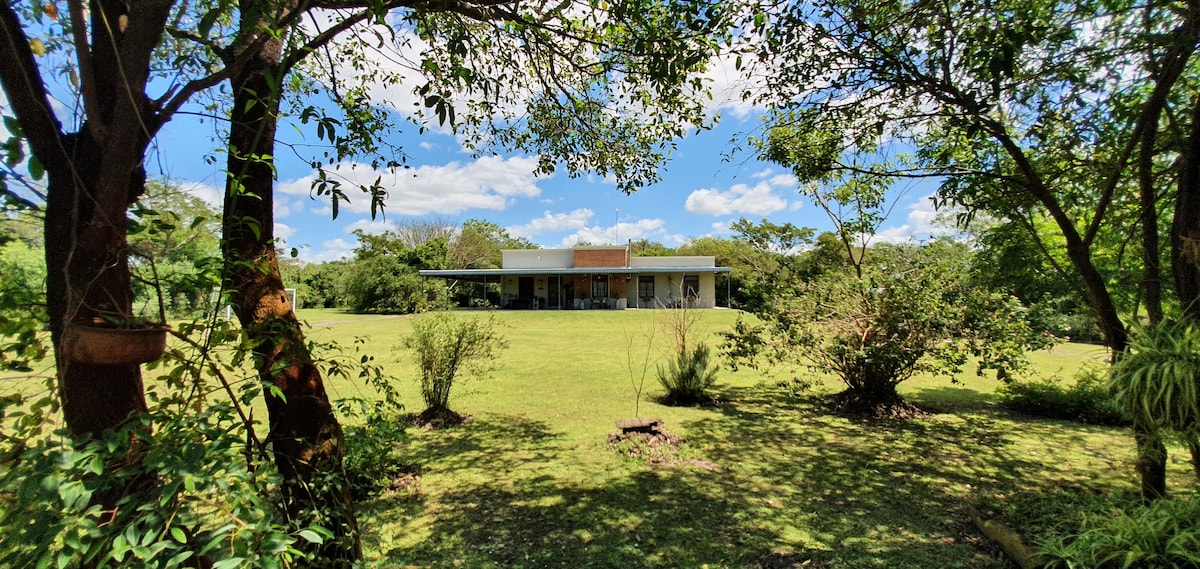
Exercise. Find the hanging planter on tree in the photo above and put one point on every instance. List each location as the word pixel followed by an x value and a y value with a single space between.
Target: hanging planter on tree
pixel 105 345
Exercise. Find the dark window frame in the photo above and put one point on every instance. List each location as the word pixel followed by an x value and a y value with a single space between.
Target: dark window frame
pixel 644 280
pixel 600 286
pixel 690 291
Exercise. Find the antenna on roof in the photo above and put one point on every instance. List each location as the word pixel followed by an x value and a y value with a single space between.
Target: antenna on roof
pixel 617 228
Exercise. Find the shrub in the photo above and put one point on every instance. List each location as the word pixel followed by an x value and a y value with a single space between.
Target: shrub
pixel 877 326
pixel 1086 401
pixel 1158 381
pixel 446 347
pixel 371 462
pixel 195 476
pixel 1165 533
pixel 689 376
pixel 387 285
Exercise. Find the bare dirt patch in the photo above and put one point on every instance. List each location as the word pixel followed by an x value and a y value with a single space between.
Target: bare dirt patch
pixel 648 440
pixel 437 419
pixel 856 405
pixel 406 482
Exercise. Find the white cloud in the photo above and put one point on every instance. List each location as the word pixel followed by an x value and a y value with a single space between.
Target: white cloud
pixel 371 227
pixel 777 180
pixel 733 90
pixel 552 222
pixel 722 227
pixel 653 229
pixel 331 250
pixel 759 199
pixel 282 206
pixel 783 181
pixel 213 196
pixel 577 222
pixel 282 232
pixel 920 224
pixel 491 182
pixel 324 210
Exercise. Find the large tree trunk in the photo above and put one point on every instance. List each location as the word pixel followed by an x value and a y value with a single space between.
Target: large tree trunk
pixel 88 277
pixel 305 436
pixel 1185 241
pixel 1185 226
pixel 90 183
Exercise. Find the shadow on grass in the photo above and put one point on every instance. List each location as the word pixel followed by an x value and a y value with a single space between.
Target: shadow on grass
pixel 795 485
pixel 950 399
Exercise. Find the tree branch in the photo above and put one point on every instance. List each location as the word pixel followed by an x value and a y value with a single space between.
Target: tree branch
pixel 1184 44
pixel 222 52
pixel 87 72
pixel 22 82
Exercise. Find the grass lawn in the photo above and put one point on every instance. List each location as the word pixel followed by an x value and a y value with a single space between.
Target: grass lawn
pixel 769 479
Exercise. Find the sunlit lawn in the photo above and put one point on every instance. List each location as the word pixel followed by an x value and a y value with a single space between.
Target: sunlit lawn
pixel 531 483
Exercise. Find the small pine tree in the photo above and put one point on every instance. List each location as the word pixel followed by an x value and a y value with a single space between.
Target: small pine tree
pixel 689 376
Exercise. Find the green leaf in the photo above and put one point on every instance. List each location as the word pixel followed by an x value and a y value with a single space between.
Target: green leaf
pixel 311 536
pixel 13 126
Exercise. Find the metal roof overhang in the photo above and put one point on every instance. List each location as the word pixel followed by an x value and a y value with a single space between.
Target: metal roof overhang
pixel 482 274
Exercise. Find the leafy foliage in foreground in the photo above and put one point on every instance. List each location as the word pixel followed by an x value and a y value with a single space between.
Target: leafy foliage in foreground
pixel 206 497
pixel 1165 533
pixel 203 480
pixel 1159 380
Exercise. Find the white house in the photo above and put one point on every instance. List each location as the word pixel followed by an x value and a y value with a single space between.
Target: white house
pixel 597 277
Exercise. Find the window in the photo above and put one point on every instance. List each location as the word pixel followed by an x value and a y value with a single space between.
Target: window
pixel 691 286
pixel 600 286
pixel 645 287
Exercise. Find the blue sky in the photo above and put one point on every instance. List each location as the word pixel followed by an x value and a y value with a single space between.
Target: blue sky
pixel 701 192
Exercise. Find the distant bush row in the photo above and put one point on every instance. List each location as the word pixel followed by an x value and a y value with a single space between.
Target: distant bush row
pixel 1087 400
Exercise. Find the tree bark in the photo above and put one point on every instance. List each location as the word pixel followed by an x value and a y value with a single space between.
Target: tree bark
pixel 305 436
pixel 91 182
pixel 1185 225
pixel 92 177
pixel 1151 461
pixel 87 277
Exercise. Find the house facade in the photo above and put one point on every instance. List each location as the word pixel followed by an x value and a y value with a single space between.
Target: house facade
pixel 597 277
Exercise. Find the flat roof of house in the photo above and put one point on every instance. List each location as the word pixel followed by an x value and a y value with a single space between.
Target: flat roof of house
pixel 480 274
pixel 578 248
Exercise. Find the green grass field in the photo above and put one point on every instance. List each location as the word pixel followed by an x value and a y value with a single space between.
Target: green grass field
pixel 768 480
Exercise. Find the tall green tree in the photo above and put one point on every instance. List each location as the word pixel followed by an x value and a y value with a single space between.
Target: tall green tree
pixel 886 311
pixel 92 167
pixel 549 78
pixel 1071 112
pixel 478 243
